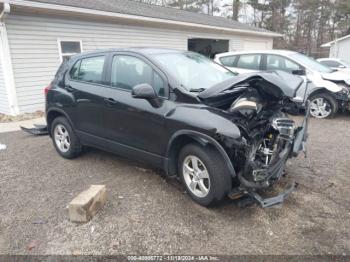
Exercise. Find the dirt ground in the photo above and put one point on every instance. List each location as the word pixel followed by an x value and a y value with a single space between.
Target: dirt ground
pixel 148 214
pixel 21 117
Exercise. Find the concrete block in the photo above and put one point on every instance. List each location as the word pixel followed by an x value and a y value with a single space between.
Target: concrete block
pixel 84 206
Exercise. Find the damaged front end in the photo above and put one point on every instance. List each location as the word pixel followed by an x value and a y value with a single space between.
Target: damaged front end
pixel 265 160
pixel 268 137
pixel 266 155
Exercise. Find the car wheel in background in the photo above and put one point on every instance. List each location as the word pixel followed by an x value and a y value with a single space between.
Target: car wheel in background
pixel 204 174
pixel 64 139
pixel 323 106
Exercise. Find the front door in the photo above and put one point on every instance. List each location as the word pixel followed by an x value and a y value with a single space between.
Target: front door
pixel 134 122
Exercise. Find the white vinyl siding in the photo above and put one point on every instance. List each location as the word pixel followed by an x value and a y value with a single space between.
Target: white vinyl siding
pixel 4 104
pixel 35 54
pixel 257 44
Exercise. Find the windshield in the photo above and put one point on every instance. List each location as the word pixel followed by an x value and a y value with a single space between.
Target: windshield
pixel 311 63
pixel 194 71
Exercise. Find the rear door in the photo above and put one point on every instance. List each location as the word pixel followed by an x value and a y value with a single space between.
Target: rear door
pixel 85 85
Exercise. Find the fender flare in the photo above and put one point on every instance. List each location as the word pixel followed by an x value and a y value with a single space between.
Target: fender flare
pixel 319 90
pixel 62 112
pixel 202 139
pixel 338 97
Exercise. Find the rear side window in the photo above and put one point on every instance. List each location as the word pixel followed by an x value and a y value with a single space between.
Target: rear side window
pixel 128 71
pixel 228 60
pixel 74 72
pixel 88 69
pixel 249 61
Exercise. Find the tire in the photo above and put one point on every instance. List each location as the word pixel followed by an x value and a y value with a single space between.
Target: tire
pixel 325 109
pixel 219 181
pixel 61 130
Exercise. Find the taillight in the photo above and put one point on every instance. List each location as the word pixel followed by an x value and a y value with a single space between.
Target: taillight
pixel 46 90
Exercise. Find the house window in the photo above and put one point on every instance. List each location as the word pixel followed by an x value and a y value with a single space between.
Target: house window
pixel 69 48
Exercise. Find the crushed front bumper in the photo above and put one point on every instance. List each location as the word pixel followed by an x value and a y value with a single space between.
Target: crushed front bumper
pixel 275 200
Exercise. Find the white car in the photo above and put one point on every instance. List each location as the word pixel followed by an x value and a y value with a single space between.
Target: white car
pixel 327 89
pixel 336 63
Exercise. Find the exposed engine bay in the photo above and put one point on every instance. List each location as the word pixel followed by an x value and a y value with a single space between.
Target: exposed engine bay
pixel 258 107
pixel 268 135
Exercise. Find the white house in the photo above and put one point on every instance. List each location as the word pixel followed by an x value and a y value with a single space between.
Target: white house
pixel 339 48
pixel 37 35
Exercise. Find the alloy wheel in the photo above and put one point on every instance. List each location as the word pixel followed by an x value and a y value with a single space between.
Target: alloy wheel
pixel 320 108
pixel 196 176
pixel 62 138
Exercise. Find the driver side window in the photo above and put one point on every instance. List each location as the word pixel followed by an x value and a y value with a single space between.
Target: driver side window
pixel 129 71
pixel 276 62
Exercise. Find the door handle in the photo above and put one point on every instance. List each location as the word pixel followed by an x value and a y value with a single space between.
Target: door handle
pixel 69 88
pixel 110 101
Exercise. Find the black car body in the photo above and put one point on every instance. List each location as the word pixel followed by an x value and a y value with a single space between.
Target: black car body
pixel 133 103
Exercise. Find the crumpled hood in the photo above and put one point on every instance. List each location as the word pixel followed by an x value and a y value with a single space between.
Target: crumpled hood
pixel 337 76
pixel 280 83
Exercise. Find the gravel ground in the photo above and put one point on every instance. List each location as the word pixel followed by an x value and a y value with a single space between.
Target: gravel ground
pixel 148 214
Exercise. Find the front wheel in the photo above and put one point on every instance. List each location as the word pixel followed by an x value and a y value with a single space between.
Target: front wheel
pixel 323 106
pixel 204 174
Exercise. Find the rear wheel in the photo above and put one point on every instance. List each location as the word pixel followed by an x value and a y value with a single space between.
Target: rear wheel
pixel 323 106
pixel 204 174
pixel 64 139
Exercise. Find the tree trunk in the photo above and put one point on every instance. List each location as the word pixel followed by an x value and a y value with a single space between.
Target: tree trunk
pixel 235 9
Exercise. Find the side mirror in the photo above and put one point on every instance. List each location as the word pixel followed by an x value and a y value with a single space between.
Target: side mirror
pixel 299 72
pixel 144 91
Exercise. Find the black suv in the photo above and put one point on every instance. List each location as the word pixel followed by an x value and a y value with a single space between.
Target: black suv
pixel 222 134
